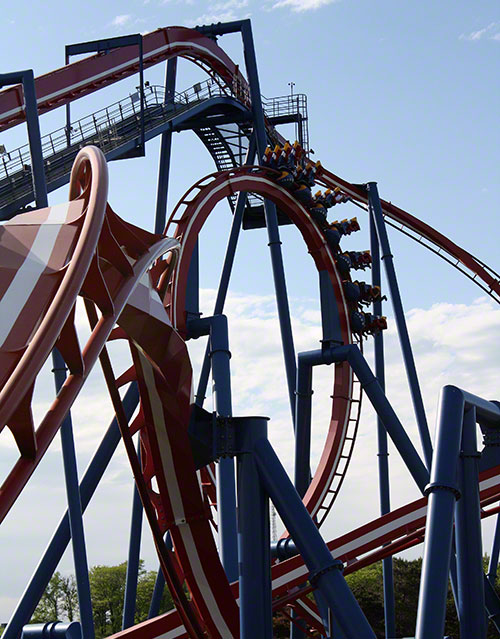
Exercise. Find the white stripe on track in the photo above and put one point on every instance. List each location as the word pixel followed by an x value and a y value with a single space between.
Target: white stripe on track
pixel 27 276
pixel 177 505
pixel 172 634
pixel 203 585
pixel 103 74
pixel 167 459
pixel 301 603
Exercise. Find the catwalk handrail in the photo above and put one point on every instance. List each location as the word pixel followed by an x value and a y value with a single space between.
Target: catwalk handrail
pixel 102 122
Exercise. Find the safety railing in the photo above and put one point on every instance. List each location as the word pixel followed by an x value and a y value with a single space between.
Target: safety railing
pixel 288 105
pixel 117 124
pixel 108 127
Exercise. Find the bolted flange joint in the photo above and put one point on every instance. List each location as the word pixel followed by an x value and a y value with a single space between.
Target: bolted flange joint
pixel 316 574
pixel 224 437
pixel 435 486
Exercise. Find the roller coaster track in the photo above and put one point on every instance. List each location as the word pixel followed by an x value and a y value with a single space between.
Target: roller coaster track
pixel 118 269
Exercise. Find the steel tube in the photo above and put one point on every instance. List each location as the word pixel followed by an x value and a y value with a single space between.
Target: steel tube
pixel 134 551
pixel 37 167
pixel 325 571
pixel 330 319
pixel 303 426
pixel 468 536
pixel 271 216
pixel 443 493
pixel 383 450
pixel 486 411
pixel 165 152
pixel 193 286
pixel 404 338
pixel 226 488
pixel 74 508
pixel 253 536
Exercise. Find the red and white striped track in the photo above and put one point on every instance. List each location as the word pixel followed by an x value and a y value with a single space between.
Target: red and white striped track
pixel 93 253
pixel 92 73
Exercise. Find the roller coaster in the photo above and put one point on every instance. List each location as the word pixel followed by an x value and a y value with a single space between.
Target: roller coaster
pixel 205 478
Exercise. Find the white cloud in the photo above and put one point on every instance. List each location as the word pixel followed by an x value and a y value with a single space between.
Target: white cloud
pixel 452 343
pixel 225 11
pixel 121 20
pixel 302 5
pixel 490 32
pixel 229 4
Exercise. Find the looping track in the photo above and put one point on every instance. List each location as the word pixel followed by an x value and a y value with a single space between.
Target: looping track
pixel 190 215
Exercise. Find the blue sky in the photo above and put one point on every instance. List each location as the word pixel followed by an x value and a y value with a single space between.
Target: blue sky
pixel 404 93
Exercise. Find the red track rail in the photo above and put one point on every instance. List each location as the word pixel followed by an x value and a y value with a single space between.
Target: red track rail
pixel 190 215
pixel 90 74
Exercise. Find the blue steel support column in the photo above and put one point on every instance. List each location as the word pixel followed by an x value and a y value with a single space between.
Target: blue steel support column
pixel 165 152
pixel 193 286
pixel 468 536
pixel 68 108
pixel 495 551
pixel 443 493
pixel 385 411
pixel 492 604
pixel 226 489
pixel 253 535
pixel 61 537
pixel 404 338
pixel 325 571
pixel 303 426
pixel 383 451
pixel 74 508
pixel 134 551
pixel 27 79
pixel 154 607
pixel 226 273
pixel 35 142
pixel 271 216
pixel 330 320
pixel 216 326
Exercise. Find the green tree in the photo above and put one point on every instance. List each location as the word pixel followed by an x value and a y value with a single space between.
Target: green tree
pixel 107 585
pixel 59 602
pixel 367 586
